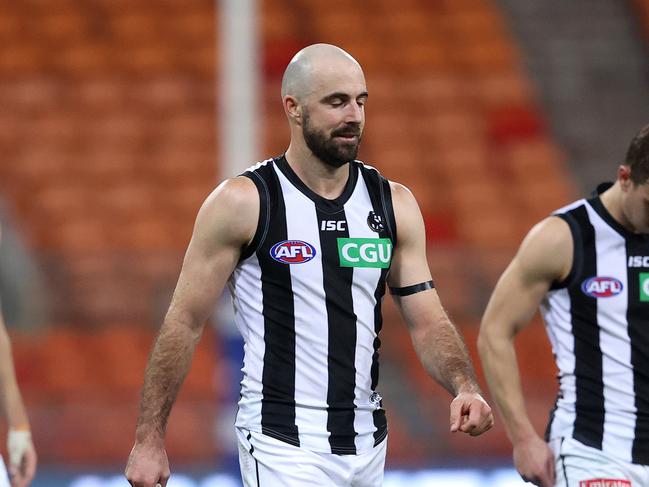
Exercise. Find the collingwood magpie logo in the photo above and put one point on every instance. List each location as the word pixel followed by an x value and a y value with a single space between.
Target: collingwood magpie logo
pixel 375 222
pixel 375 400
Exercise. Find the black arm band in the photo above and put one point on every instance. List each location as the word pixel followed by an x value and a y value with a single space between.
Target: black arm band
pixel 415 288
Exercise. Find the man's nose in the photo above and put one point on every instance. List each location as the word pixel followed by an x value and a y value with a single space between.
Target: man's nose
pixel 354 113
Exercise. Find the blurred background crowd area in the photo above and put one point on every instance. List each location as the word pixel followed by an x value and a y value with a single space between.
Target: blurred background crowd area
pixel 493 112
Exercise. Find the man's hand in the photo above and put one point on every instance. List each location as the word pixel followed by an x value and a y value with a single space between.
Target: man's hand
pixel 470 414
pixel 534 461
pixel 148 466
pixel 22 457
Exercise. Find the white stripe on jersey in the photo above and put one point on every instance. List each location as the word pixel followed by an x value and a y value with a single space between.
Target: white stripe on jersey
pixel 555 309
pixel 569 207
pixel 614 341
pixel 311 337
pixel 365 280
pixel 245 287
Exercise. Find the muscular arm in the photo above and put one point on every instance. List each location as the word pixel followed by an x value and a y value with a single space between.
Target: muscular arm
pixel 224 225
pixel 437 342
pixel 545 256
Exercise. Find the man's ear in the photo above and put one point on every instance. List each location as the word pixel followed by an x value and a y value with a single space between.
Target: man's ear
pixel 624 177
pixel 293 109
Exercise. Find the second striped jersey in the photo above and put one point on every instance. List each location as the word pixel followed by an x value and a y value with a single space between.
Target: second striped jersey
pixel 307 295
pixel 598 324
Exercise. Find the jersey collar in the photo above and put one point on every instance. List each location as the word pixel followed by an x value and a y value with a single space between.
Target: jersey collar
pixel 327 205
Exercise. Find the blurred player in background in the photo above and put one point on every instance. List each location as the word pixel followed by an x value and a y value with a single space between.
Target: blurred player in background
pixel 22 456
pixel 587 266
pixel 305 242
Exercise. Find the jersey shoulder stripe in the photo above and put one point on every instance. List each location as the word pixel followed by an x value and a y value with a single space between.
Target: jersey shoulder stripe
pixel 264 178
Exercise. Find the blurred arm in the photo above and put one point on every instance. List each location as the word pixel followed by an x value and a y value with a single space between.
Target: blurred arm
pixel 22 456
pixel 12 403
pixel 545 256
pixel 437 342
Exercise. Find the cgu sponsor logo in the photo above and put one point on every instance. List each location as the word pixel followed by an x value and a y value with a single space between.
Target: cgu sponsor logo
pixel 292 252
pixel 644 286
pixel 601 287
pixel 365 252
pixel 605 483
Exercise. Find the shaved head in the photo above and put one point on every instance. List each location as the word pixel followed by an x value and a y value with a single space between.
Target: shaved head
pixel 312 60
pixel 324 95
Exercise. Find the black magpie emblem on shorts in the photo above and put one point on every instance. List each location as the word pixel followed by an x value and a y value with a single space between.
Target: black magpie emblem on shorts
pixel 376 400
pixel 375 222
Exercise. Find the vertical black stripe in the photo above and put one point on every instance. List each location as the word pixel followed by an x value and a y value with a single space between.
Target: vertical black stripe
pixel 638 319
pixel 548 428
pixel 264 216
pixel 386 200
pixel 381 206
pixel 342 338
pixel 589 403
pixel 378 415
pixel 278 378
pixel 563 467
pixel 251 451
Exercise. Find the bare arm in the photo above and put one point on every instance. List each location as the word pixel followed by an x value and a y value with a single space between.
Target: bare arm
pixel 12 403
pixel 224 225
pixel 437 342
pixel 545 256
pixel 22 456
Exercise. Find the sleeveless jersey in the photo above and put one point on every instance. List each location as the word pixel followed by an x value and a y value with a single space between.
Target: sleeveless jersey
pixel 307 295
pixel 598 323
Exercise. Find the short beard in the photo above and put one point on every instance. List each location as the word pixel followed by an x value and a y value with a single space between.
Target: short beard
pixel 326 148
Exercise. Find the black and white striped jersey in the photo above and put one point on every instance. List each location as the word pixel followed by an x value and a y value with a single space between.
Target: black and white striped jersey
pixel 598 323
pixel 307 296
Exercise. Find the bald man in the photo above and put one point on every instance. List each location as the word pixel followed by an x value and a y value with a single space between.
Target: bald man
pixel 307 242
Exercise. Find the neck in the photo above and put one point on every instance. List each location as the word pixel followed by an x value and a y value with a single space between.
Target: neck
pixel 324 180
pixel 612 201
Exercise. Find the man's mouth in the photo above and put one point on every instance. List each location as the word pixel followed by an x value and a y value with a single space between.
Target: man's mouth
pixel 347 135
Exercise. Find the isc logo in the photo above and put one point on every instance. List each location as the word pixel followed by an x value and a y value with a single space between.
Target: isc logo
pixel 601 287
pixel 332 226
pixel 638 261
pixel 292 252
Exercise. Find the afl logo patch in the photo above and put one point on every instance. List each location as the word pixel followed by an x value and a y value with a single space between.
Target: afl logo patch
pixel 601 287
pixel 292 252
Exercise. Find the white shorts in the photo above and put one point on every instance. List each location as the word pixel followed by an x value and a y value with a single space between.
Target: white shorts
pixel 578 465
pixel 267 462
pixel 4 478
